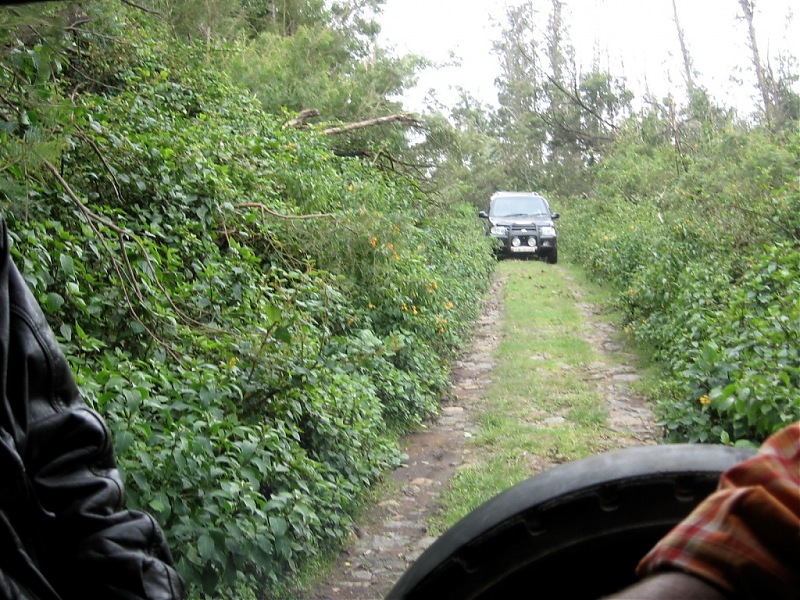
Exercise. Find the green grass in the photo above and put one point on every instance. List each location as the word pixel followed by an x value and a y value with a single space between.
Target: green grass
pixel 541 408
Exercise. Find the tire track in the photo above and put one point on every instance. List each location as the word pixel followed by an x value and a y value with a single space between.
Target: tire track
pixel 392 533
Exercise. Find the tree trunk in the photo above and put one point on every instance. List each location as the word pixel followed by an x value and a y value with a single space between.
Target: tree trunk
pixel 764 80
pixel 687 60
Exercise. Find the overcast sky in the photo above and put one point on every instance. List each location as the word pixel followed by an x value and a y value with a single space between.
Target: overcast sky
pixel 635 39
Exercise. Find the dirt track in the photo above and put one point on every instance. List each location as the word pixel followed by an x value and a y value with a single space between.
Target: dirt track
pixel 392 534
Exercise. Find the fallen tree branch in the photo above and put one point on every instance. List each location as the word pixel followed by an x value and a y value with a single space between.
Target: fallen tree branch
pixel 574 96
pixel 93 218
pixel 302 117
pixel 266 209
pixel 122 233
pixel 404 118
pixel 142 8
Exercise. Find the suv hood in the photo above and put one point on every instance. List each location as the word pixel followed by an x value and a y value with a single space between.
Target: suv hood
pixel 540 221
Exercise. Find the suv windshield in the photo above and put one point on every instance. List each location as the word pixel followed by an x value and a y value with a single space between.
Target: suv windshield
pixel 516 206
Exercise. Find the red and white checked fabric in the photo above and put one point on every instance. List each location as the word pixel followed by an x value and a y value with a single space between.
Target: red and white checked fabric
pixel 745 537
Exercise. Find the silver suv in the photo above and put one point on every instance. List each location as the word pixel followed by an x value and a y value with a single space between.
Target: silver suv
pixel 523 224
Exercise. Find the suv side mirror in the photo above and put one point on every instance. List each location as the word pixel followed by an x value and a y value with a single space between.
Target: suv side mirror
pixel 483 214
pixel 555 216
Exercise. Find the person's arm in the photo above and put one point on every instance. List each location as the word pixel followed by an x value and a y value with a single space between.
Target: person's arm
pixel 744 539
pixel 670 586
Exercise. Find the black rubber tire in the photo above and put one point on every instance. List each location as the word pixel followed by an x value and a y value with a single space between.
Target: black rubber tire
pixel 552 257
pixel 576 531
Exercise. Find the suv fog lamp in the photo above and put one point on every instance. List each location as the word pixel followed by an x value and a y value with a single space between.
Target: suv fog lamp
pixel 515 242
pixel 531 241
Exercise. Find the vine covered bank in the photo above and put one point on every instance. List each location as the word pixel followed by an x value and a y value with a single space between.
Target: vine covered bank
pixel 256 316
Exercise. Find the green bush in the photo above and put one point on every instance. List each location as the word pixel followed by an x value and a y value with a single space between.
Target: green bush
pixel 705 263
pixel 256 317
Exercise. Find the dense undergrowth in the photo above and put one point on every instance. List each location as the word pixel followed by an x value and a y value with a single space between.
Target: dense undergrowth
pixel 704 250
pixel 256 317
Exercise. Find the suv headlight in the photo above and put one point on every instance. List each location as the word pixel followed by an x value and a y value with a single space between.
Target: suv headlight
pixel 499 230
pixel 548 231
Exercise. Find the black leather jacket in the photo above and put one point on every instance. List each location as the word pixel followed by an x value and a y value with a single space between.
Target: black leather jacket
pixel 63 530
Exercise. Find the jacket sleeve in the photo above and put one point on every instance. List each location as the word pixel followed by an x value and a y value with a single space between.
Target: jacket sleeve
pixel 87 544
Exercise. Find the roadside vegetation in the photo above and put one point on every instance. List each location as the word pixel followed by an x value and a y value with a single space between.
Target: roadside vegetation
pixel 260 265
pixel 706 265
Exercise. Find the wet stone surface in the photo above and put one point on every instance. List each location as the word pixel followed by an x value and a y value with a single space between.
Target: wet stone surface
pixel 392 533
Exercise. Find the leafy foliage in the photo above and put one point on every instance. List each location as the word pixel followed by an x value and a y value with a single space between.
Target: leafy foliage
pixel 256 317
pixel 704 251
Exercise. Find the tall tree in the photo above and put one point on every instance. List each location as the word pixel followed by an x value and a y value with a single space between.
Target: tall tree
pixel 555 120
pixel 688 71
pixel 763 75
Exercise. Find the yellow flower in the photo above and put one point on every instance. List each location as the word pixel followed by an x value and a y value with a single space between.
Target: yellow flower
pixel 373 242
pixel 448 305
pixel 404 307
pixel 414 310
pixel 351 187
pixel 396 256
pixel 441 329
pixel 232 363
pixel 371 305
pixel 704 399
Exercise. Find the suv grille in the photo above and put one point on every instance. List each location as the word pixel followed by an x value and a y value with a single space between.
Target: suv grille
pixel 523 230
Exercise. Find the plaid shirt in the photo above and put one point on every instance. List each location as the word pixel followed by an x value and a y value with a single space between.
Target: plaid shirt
pixel 745 537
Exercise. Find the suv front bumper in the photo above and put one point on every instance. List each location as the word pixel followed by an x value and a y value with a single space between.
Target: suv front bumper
pixel 523 243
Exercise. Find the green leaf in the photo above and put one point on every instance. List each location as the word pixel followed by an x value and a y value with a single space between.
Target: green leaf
pixel 53 301
pixel 206 547
pixel 283 334
pixel 67 264
pixel 273 314
pixel 122 441
pixel 279 526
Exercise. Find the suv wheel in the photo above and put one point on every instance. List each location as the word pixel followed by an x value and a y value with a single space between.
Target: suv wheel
pixel 552 256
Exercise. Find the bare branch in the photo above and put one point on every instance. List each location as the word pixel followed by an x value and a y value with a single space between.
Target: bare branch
pixel 302 117
pixel 573 96
pixel 91 218
pixel 142 8
pixel 397 118
pixel 111 176
pixel 266 209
